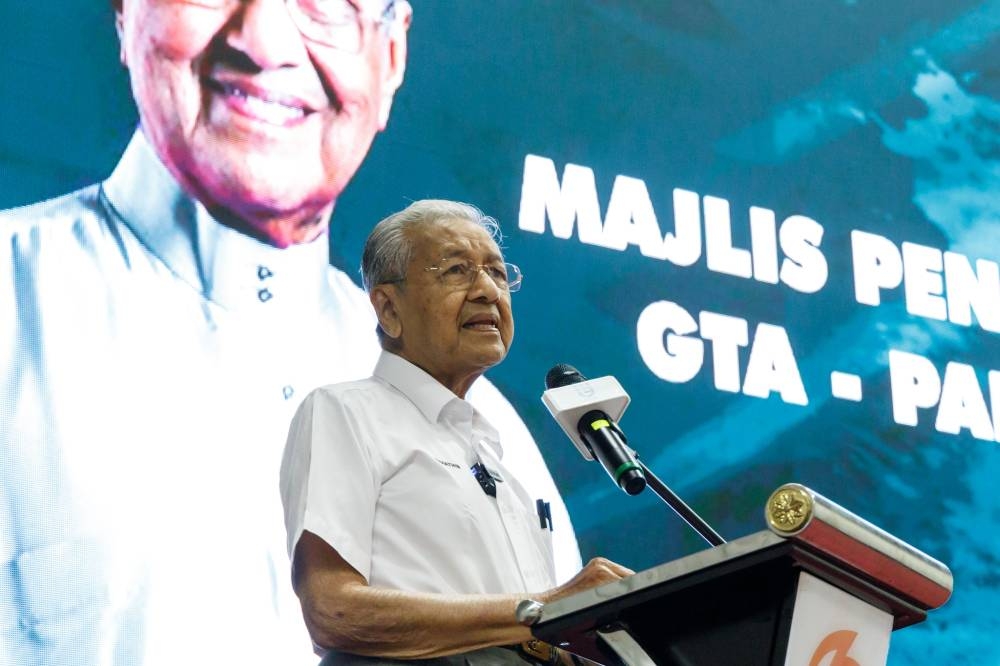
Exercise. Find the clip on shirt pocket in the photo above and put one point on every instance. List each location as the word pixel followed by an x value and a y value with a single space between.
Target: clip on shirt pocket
pixel 544 514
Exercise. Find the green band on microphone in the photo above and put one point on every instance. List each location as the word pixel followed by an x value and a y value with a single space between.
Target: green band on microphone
pixel 599 423
pixel 624 468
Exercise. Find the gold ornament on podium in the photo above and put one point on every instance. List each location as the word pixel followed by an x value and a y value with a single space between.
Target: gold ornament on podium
pixel 789 508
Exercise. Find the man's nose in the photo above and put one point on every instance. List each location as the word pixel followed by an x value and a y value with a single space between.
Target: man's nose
pixel 264 31
pixel 483 287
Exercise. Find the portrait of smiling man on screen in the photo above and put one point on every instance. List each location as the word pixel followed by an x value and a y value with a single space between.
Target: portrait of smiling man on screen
pixel 164 324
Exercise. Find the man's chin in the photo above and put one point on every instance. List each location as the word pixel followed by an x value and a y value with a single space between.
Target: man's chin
pixel 492 357
pixel 275 221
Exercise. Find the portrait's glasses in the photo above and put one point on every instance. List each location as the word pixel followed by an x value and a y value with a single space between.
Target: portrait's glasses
pixel 459 273
pixel 339 24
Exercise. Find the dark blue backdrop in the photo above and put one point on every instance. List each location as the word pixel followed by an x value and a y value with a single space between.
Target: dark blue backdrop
pixel 874 116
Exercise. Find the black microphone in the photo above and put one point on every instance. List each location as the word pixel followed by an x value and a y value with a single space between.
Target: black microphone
pixel 601 435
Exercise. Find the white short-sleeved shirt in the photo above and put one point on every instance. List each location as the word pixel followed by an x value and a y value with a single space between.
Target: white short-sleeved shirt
pixel 381 469
pixel 152 360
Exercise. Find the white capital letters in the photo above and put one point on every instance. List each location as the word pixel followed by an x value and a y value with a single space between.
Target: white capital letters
pixel 877 265
pixel 682 246
pixel 971 291
pixel 678 358
pixel 727 334
pixel 764 245
pixel 915 383
pixel 924 283
pixel 720 254
pixel 631 220
pixel 772 367
pixel 962 404
pixel 574 201
pixel 804 267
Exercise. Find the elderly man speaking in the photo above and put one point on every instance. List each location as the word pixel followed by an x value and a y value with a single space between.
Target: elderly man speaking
pixel 409 536
pixel 161 327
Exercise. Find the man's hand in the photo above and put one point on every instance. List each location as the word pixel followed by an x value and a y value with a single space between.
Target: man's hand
pixel 598 571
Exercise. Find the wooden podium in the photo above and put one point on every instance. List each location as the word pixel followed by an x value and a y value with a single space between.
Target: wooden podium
pixel 820 587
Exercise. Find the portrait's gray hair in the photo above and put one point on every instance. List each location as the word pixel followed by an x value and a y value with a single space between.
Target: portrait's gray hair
pixel 389 247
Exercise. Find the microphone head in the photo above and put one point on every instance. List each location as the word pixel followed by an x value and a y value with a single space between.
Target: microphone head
pixel 563 375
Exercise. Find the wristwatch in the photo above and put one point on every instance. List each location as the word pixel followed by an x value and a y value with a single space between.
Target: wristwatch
pixel 529 612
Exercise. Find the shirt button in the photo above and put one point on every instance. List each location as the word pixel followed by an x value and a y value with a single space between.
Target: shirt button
pixel 287 391
pixel 263 272
pixel 264 295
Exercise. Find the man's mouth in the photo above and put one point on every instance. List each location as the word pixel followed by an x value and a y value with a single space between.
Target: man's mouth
pixel 264 105
pixel 482 323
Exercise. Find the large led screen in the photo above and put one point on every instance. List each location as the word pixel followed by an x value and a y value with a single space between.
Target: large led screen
pixel 777 224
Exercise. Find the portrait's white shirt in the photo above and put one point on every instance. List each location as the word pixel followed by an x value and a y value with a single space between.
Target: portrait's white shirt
pixel 152 361
pixel 381 469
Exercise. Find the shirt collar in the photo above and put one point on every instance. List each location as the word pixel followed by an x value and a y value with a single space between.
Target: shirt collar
pixel 228 267
pixel 433 400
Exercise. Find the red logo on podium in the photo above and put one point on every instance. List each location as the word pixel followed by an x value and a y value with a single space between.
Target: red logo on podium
pixel 837 644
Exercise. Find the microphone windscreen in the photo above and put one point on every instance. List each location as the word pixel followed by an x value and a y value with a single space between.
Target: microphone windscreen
pixel 562 375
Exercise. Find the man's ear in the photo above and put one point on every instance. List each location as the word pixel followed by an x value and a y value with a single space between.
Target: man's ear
pixel 395 63
pixel 383 298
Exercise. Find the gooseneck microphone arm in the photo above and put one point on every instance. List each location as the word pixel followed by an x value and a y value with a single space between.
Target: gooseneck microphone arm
pixel 687 514
pixel 581 407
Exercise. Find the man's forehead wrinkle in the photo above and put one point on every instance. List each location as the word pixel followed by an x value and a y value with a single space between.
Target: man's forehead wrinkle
pixel 453 237
pixel 451 250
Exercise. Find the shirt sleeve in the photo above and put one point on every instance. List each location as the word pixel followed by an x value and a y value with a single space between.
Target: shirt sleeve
pixel 329 479
pixel 12 638
pixel 14 641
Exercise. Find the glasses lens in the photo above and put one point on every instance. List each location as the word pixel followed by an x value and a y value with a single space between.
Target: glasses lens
pixel 456 272
pixel 460 273
pixel 513 277
pixel 334 23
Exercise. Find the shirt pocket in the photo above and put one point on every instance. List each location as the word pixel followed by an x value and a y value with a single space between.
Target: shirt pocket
pixel 542 539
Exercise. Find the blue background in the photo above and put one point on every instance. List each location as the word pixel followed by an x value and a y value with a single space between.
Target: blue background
pixel 879 116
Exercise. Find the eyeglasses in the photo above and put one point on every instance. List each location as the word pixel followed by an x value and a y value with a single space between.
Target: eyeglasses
pixel 339 24
pixel 460 273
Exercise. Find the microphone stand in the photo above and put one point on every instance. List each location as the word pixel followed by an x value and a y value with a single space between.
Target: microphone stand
pixel 683 510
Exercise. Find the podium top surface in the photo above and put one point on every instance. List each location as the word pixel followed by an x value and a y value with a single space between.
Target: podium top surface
pixel 662 573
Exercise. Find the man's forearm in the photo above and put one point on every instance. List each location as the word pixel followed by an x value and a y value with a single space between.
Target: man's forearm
pixel 343 612
pixel 376 621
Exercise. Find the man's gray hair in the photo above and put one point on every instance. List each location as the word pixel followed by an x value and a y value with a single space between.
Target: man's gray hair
pixel 389 247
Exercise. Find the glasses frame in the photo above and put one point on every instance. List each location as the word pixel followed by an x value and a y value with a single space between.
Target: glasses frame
pixel 511 287
pixel 362 21
pixel 307 26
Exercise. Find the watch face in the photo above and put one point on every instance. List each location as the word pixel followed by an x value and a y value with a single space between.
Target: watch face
pixel 529 611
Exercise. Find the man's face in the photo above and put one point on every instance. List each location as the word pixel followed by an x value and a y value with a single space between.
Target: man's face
pixel 262 125
pixel 453 333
